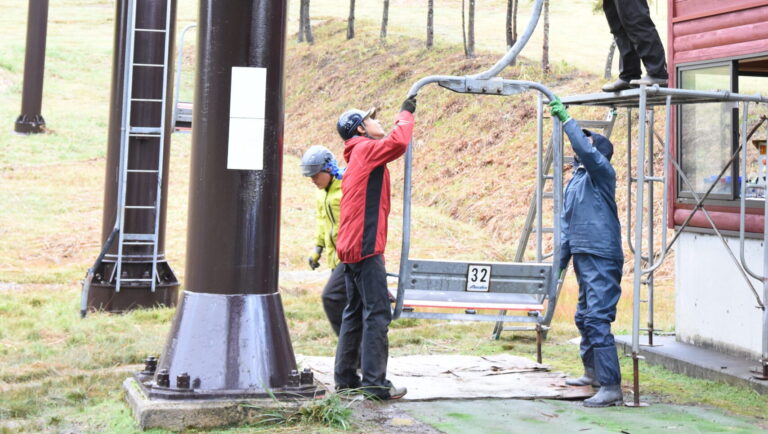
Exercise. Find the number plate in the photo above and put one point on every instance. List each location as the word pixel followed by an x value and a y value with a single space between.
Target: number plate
pixel 478 278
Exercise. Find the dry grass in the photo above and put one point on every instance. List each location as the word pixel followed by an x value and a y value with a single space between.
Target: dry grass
pixel 473 185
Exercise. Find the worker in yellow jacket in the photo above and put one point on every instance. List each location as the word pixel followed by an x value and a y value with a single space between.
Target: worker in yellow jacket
pixel 319 164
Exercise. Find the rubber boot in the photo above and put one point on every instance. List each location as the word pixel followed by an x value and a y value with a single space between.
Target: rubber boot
pixel 607 396
pixel 585 380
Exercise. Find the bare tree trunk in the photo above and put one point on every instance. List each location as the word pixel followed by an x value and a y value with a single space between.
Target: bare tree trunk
pixel 511 29
pixel 385 20
pixel 301 21
pixel 609 60
pixel 545 48
pixel 508 24
pixel 351 20
pixel 430 22
pixel 307 23
pixel 514 20
pixel 471 30
pixel 464 29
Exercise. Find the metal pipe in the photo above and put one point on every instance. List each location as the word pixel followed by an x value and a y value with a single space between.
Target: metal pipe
pixel 177 76
pixel 722 95
pixel 639 198
pixel 649 279
pixel 743 196
pixel 539 174
pixel 557 206
pixel 630 180
pixel 665 192
pixel 764 359
pixel 517 47
pixel 31 121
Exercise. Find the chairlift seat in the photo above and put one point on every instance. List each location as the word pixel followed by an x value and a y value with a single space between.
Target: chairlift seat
pixel 183 119
pixel 475 286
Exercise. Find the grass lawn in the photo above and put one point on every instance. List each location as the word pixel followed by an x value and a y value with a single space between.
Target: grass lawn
pixel 59 373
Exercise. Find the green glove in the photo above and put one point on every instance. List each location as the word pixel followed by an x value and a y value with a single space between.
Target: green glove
pixel 314 257
pixel 558 110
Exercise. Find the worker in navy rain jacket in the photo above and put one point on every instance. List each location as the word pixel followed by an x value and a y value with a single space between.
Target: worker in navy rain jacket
pixel 320 165
pixel 591 235
pixel 365 206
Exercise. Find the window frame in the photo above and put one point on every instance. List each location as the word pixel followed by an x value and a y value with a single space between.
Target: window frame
pixel 684 195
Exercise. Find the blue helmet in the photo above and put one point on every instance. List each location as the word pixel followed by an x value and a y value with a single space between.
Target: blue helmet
pixel 350 120
pixel 315 159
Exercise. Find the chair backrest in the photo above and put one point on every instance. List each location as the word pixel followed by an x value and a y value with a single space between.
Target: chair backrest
pixel 479 277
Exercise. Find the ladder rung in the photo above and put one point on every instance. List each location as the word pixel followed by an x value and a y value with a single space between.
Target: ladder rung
pixel 549 176
pixel 138 243
pixel 146 100
pixel 146 130
pixel 141 171
pixel 139 207
pixel 151 30
pixel 543 230
pixel 150 65
pixel 139 237
pixel 547 195
pixel 135 280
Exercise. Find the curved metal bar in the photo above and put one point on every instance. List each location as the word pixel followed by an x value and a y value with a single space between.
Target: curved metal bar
pixel 665 193
pixel 743 198
pixel 407 183
pixel 517 47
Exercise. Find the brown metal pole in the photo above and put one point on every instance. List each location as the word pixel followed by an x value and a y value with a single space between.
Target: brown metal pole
pixel 229 335
pixel 31 121
pixel 141 187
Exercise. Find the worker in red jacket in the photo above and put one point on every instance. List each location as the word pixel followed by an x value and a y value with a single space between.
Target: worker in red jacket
pixel 360 245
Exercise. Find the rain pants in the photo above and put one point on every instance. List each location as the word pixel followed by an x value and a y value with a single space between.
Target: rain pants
pixel 591 234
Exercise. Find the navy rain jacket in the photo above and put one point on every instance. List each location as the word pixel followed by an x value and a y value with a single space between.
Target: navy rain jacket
pixel 589 219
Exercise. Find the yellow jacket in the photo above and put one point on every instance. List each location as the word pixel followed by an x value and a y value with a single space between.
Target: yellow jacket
pixel 327 217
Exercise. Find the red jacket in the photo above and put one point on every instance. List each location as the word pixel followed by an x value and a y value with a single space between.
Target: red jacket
pixel 365 191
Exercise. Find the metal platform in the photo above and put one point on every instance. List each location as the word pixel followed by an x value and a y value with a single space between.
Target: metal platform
pixel 657 96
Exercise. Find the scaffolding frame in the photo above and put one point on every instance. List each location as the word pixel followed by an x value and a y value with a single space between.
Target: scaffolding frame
pixel 644 99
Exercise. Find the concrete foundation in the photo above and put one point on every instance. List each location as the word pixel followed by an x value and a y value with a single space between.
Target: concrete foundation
pixel 697 362
pixel 183 414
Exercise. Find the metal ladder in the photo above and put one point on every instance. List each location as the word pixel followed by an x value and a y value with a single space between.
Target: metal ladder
pixel 128 132
pixel 534 219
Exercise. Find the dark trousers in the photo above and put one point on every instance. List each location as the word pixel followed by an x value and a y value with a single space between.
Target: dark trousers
pixel 637 38
pixel 599 291
pixel 335 297
pixel 364 329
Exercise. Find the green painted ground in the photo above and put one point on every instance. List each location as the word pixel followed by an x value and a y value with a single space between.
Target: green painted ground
pixel 541 417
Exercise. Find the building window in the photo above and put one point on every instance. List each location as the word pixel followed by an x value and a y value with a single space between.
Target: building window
pixel 706 134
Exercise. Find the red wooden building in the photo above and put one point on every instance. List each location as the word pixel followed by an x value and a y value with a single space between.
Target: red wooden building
pixel 718 45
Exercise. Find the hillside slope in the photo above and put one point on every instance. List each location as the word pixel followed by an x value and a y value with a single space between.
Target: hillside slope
pixel 475 155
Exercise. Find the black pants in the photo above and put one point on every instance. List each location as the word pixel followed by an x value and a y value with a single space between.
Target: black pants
pixel 335 297
pixel 637 38
pixel 364 329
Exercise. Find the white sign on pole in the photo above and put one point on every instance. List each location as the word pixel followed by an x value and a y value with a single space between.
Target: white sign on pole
pixel 247 107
